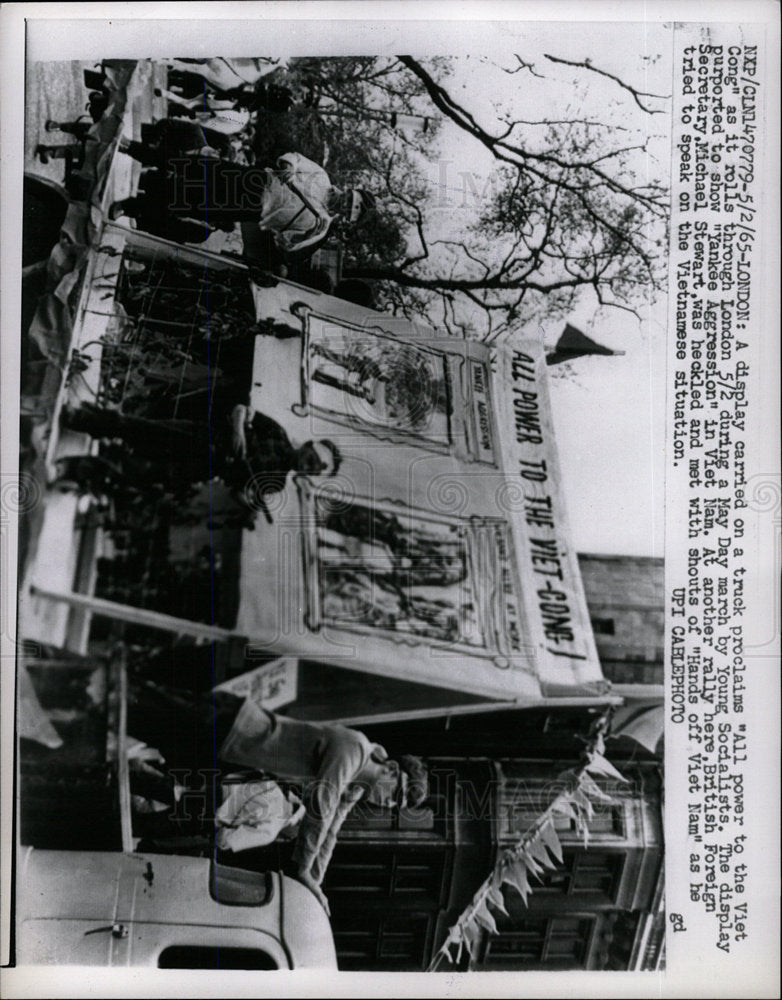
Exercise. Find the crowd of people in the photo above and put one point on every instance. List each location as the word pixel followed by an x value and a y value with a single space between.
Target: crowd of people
pixel 201 174
pixel 205 169
pixel 249 452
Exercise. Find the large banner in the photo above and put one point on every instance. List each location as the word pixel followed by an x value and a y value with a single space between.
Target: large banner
pixel 440 552
pixel 557 618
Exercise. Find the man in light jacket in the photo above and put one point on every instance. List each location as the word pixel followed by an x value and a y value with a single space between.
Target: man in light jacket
pixel 335 765
pixel 295 201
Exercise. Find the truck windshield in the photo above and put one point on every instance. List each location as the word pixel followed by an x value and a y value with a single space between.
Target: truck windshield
pixel 239 887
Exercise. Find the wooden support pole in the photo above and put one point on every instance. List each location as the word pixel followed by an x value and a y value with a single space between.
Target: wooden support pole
pixel 123 767
pixel 136 616
pixel 417 714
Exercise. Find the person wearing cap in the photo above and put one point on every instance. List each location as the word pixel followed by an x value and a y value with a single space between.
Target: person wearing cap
pixel 247 449
pixel 301 205
pixel 336 766
pixel 296 201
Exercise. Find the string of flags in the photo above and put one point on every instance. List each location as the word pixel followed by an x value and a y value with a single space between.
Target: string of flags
pixel 537 850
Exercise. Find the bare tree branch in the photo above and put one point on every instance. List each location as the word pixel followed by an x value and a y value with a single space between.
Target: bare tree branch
pixel 564 213
pixel 522 65
pixel 419 219
pixel 463 247
pixel 636 94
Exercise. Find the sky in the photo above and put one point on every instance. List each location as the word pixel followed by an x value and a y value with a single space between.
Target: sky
pixel 608 411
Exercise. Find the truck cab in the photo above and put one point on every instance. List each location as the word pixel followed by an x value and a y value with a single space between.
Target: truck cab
pixel 165 911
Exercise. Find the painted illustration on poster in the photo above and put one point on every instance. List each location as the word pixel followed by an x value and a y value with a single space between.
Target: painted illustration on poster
pixel 366 377
pixel 410 576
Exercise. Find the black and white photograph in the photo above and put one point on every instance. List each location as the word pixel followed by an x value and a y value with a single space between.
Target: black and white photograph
pixel 384 479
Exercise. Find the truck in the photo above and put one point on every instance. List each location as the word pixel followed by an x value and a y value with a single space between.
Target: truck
pixel 114 908
pixel 88 894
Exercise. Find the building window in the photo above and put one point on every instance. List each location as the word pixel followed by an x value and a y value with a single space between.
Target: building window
pixel 521 802
pixel 399 874
pixel 603 626
pixel 584 873
pixel 366 941
pixel 383 569
pixel 366 817
pixel 555 943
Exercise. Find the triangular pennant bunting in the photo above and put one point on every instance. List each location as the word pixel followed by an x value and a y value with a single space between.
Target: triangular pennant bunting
pixel 445 951
pixel 515 874
pixel 549 836
pixel 484 918
pixel 455 939
pixel 564 808
pixel 582 803
pixel 582 828
pixel 494 896
pixel 532 866
pixel 599 765
pixel 593 790
pixel 471 935
pixel 568 779
pixel 537 850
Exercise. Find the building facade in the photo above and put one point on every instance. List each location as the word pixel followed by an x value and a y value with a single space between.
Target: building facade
pixel 625 597
pixel 396 884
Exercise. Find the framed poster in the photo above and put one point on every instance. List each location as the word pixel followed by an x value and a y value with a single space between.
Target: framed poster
pixel 368 379
pixel 384 569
